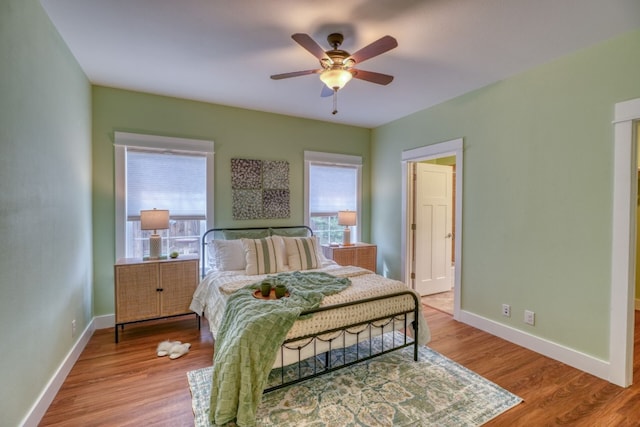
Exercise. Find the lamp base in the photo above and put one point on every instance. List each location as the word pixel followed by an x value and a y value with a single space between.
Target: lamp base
pixel 155 246
pixel 346 240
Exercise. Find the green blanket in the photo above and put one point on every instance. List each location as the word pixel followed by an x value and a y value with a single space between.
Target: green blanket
pixel 251 332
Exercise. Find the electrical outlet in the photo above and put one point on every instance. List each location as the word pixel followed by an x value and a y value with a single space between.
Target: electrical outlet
pixel 73 328
pixel 506 310
pixel 529 317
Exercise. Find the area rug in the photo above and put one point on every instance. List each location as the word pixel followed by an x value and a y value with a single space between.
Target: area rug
pixel 390 390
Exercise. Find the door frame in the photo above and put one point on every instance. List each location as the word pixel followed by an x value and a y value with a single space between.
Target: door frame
pixel 443 149
pixel 623 247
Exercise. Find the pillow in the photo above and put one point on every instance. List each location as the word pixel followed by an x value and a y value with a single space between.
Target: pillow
pixel 282 259
pixel 263 256
pixel 289 232
pixel 245 234
pixel 228 255
pixel 303 253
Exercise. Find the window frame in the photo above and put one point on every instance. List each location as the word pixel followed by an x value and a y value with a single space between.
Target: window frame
pixel 124 140
pixel 337 160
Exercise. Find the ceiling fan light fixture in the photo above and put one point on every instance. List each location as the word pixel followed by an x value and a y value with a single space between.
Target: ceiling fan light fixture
pixel 335 79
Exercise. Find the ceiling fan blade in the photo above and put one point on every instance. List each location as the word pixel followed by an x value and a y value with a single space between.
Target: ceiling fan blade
pixel 326 91
pixel 373 77
pixel 310 44
pixel 294 74
pixel 379 46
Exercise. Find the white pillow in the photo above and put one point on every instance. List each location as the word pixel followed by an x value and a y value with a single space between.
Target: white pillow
pixel 303 253
pixel 283 262
pixel 228 255
pixel 263 256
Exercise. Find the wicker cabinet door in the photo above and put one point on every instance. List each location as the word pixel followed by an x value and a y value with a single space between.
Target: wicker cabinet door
pixel 136 292
pixel 178 281
pixel 366 257
pixel 345 256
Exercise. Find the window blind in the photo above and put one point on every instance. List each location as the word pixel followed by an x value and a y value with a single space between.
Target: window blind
pixel 166 180
pixel 332 188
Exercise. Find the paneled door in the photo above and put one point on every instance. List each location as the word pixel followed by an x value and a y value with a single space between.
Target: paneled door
pixel 433 228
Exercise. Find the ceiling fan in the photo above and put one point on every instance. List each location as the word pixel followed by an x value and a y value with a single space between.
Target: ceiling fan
pixel 337 65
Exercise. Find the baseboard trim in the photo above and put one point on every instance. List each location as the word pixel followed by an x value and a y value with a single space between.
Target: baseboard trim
pixel 584 362
pixel 41 405
pixel 637 304
pixel 104 322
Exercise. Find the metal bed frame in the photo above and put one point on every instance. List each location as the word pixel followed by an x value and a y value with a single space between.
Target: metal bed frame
pixel 320 368
pixel 322 362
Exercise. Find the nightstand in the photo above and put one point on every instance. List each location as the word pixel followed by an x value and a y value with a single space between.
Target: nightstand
pixel 154 289
pixel 359 254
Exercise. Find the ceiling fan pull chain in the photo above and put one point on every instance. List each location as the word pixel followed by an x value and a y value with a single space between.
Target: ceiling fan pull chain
pixel 335 102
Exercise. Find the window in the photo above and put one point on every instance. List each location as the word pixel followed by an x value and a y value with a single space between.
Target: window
pixel 332 184
pixel 163 173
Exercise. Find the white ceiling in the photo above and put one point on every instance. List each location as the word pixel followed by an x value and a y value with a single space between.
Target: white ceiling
pixel 223 51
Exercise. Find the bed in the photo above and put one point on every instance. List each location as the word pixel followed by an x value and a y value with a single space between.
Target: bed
pixel 356 306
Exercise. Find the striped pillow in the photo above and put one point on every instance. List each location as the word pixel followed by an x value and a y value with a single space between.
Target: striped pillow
pixel 302 253
pixel 263 256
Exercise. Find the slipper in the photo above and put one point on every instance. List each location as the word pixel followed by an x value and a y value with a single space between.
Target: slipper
pixel 178 350
pixel 164 347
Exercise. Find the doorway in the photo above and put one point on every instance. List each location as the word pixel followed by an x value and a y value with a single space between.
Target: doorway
pixel 432 224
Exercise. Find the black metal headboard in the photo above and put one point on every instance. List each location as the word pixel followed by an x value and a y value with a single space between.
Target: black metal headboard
pixel 240 229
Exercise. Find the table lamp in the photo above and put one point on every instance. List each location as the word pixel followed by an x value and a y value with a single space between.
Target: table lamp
pixel 156 219
pixel 346 218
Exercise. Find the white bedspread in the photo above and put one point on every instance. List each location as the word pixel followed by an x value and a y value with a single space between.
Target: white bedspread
pixel 212 293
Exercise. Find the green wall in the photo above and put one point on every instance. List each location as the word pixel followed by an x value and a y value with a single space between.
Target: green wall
pixel 637 294
pixel 537 191
pixel 45 204
pixel 235 132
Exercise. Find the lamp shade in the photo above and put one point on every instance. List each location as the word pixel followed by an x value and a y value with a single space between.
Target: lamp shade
pixel 335 78
pixel 156 219
pixel 346 218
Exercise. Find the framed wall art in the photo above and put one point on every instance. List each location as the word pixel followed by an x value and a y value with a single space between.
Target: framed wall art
pixel 260 189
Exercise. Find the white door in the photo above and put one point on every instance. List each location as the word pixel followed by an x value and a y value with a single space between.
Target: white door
pixel 433 228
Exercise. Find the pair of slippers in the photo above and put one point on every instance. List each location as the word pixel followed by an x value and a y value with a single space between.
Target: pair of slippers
pixel 173 349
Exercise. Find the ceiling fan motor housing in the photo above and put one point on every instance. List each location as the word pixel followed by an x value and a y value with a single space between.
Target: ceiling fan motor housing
pixel 338 58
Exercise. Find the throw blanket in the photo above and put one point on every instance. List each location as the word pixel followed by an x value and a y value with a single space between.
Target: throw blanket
pixel 251 332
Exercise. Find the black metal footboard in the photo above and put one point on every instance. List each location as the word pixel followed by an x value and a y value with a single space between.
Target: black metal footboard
pixel 320 362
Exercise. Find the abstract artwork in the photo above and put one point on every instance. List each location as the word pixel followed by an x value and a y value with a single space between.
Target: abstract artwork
pixel 260 189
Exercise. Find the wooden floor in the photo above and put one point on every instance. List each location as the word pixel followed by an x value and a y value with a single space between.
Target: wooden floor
pixel 126 384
